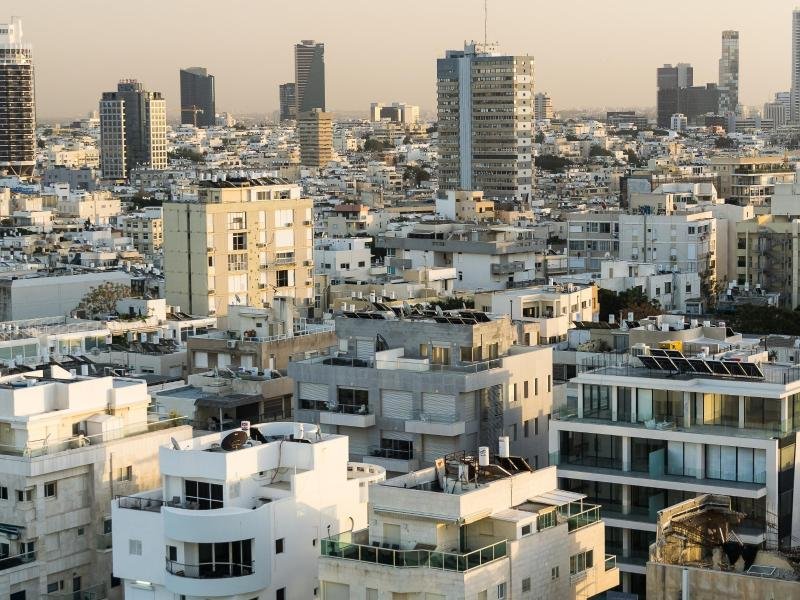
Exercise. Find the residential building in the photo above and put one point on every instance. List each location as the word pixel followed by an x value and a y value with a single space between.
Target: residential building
pixel 751 179
pixel 647 433
pixel 552 309
pixel 343 259
pixel 626 119
pixel 96 208
pixel 309 76
pixel 133 130
pixel 678 122
pixel 696 555
pixel 33 295
pixel 729 72
pixel 397 112
pixel 466 205
pixel 198 98
pixel 287 101
pixel 146 229
pixel 794 96
pixel 315 132
pixel 18 109
pixel 83 178
pixel 542 106
pixel 70 444
pixel 243 241
pixel 471 527
pixel 777 113
pixel 478 148
pixel 239 514
pixel 409 388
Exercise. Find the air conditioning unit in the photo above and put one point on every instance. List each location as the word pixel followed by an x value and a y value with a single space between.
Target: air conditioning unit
pixel 231 343
pixel 308 222
pixel 308 263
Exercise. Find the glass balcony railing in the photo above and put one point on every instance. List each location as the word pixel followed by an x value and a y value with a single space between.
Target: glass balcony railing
pixel 334 547
pixel 94 592
pixel 347 409
pixel 8 562
pixel 579 515
pixel 209 570
pixel 611 562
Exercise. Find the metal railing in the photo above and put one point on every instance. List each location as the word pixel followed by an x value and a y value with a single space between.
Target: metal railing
pixel 94 592
pixel 141 503
pixel 418 558
pixel 610 562
pixel 347 409
pixel 209 570
pixel 379 452
pixel 579 515
pixel 8 562
pixel 420 415
pixel 43 447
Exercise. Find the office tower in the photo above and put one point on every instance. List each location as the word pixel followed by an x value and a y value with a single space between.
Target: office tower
pixel 543 106
pixel 776 111
pixel 482 526
pixel 197 98
pixel 485 107
pixel 309 75
pixel 795 91
pixel 677 94
pixel 685 75
pixel 287 95
pixel 315 132
pixel 17 109
pixel 785 98
pixel 70 443
pixel 241 514
pixel 244 241
pixel 729 72
pixel 133 130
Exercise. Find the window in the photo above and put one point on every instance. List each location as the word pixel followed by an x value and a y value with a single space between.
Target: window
pixel 399 449
pixel 52 587
pixel 536 387
pixel 238 241
pixel 210 261
pixel 81 531
pixel 344 266
pixel 526 529
pixel 667 287
pixel 351 400
pixel 107 526
pixel 280 594
pixel 362 263
pixel 526 584
pixel 279 546
pixel 525 427
pixel 237 262
pixel 549 383
pixel 135 547
pixel 546 519
pixel 237 220
pixel 536 426
pixel 125 473
pixel 524 389
pixel 554 573
pixel 206 495
pixel 50 489
pixel 3 492
pixel 440 355
pixel 282 278
pixel 172 553
pixel 580 562
pixel 232 558
pixel 501 591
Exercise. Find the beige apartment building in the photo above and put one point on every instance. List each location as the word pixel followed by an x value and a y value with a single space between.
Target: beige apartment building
pixel 751 179
pixel 146 230
pixel 315 132
pixel 242 242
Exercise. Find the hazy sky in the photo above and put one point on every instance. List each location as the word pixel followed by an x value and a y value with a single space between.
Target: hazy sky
pixel 588 52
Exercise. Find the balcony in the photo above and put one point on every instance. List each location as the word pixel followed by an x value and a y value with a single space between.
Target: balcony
pixel 9 562
pixel 341 414
pixel 435 424
pixel 215 570
pixel 396 461
pixel 95 592
pixel 360 550
pixel 508 268
pixel 579 515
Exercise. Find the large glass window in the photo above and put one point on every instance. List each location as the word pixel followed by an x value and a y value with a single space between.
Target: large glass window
pixel 641 451
pixel 206 495
pixel 597 401
pixel 591 449
pixel 225 559
pixel 717 409
pixel 352 400
pixel 399 449
pixel 624 404
pixel 762 413
pixel 730 463
pixel 668 406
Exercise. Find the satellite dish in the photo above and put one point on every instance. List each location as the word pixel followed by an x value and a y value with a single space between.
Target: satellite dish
pixel 234 440
pixel 175 444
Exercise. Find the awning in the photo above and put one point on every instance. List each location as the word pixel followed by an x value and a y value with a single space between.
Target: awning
pixel 227 401
pixel 558 497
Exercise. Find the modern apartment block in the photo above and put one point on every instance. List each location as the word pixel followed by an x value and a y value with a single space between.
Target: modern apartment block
pixel 287 101
pixel 198 105
pixel 17 108
pixel 729 72
pixel 240 514
pixel 543 106
pixel 309 76
pixel 472 527
pixel 68 445
pixel 409 388
pixel 133 130
pixel 486 116
pixel 146 230
pixel 243 241
pixel 667 426
pixel 315 133
pixel 751 179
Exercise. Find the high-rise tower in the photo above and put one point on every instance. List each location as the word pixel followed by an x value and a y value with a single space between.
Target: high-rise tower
pixel 197 97
pixel 486 114
pixel 309 75
pixel 729 72
pixel 17 109
pixel 288 101
pixel 795 91
pixel 133 130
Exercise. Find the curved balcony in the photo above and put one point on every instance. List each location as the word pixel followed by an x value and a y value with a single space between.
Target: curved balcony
pixel 215 570
pixel 215 525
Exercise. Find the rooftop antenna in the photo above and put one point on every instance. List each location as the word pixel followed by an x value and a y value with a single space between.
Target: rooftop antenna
pixel 485 21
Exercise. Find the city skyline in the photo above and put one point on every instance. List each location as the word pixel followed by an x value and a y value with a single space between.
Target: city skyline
pixel 606 78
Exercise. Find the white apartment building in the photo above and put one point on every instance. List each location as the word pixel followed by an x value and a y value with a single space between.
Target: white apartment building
pixel 240 514
pixel 409 387
pixel 68 444
pixel 343 258
pixel 471 528
pixel 97 208
pixel 145 229
pixel 669 426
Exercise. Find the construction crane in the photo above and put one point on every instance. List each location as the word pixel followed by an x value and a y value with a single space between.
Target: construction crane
pixel 195 110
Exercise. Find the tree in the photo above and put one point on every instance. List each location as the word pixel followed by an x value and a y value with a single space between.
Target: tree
pixel 539 138
pixel 751 318
pixel 632 300
pixel 596 150
pixel 552 163
pixel 373 145
pixel 102 300
pixel 633 158
pixel 454 303
pixel 416 174
pixel 724 142
pixel 187 154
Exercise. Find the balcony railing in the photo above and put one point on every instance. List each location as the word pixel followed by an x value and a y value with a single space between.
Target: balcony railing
pixel 141 503
pixel 94 592
pixel 418 558
pixel 578 514
pixel 611 562
pixel 8 562
pixel 45 447
pixel 347 409
pixel 427 417
pixel 379 452
pixel 215 570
